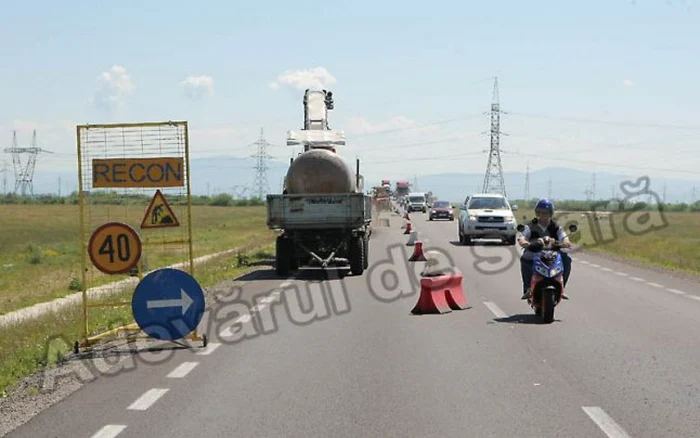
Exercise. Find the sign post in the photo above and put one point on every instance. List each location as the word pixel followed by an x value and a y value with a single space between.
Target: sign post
pixel 135 176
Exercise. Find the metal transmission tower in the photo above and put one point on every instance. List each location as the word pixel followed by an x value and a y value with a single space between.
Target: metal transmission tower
pixel 261 157
pixel 24 174
pixel 493 181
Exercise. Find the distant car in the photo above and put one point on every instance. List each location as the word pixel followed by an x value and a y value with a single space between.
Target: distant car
pixel 417 202
pixel 486 216
pixel 441 210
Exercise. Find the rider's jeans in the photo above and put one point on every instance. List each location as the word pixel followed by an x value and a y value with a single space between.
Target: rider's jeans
pixel 526 269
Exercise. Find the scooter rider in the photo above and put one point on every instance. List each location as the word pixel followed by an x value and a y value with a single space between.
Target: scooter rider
pixel 542 226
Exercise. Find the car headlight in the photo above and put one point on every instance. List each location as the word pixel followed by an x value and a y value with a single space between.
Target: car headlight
pixel 472 217
pixel 509 218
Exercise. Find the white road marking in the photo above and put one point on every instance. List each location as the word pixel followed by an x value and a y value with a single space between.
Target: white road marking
pixel 183 370
pixel 585 262
pixel 675 291
pixel 594 265
pixel 495 309
pixel 654 284
pixel 146 400
pixel 110 431
pixel 285 284
pixel 622 274
pixel 637 279
pixel 693 297
pixel 244 318
pixel 607 269
pixel 606 424
pixel 210 348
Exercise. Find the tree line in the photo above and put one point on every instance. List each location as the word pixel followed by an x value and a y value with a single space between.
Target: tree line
pixel 112 198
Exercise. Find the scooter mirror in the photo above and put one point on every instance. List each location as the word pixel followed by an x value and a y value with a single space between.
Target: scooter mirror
pixel 573 228
pixel 520 227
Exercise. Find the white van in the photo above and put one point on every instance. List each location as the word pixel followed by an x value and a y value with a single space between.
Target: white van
pixel 417 202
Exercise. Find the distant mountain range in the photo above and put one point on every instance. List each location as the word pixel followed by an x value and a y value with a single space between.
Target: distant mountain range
pixel 236 176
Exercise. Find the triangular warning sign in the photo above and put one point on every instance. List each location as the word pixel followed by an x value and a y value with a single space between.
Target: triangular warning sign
pixel 159 214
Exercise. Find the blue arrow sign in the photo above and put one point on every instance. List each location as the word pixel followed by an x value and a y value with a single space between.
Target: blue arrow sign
pixel 168 304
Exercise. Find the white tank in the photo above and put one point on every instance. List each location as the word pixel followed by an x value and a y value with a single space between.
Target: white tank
pixel 319 171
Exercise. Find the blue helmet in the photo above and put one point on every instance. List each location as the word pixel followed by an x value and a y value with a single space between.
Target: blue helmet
pixel 545 204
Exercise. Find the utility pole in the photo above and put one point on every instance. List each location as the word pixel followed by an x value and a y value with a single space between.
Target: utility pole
pixel 527 182
pixel 59 186
pixel 261 157
pixel 663 200
pixel 549 188
pixel 493 180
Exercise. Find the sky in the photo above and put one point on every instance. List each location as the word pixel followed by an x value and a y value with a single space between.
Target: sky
pixel 602 84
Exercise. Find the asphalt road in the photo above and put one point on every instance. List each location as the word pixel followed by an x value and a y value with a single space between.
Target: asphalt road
pixel 621 359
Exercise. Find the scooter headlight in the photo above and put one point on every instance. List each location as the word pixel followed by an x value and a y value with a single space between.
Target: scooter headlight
pixel 553 272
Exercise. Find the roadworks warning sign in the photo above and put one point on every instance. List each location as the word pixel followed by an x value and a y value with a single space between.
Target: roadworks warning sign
pixel 159 214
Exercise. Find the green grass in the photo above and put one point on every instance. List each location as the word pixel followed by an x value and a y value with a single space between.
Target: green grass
pixel 674 244
pixel 25 346
pixel 40 245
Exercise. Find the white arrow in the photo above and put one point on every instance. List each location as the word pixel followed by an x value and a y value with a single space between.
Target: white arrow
pixel 185 302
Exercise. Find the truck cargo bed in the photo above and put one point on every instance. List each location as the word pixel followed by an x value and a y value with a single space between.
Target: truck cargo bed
pixel 319 211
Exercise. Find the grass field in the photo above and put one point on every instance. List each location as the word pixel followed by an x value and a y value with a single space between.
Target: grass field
pixel 40 256
pixel 40 247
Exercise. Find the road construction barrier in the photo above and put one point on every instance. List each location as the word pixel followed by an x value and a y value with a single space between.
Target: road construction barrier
pixel 408 228
pixel 440 291
pixel 413 238
pixel 418 255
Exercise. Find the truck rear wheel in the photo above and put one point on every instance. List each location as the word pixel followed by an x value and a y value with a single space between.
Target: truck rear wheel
pixel 283 256
pixel 365 246
pixel 357 255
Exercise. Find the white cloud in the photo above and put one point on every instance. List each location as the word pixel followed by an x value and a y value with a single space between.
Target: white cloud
pixel 316 78
pixel 115 85
pixel 197 86
pixel 628 83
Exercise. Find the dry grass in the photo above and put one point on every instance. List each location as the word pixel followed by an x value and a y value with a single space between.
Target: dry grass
pixel 40 247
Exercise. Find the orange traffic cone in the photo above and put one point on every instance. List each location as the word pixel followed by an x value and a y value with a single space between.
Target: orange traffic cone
pixel 418 255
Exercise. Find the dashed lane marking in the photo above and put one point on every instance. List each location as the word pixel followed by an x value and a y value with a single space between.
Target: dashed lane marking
pixel 147 399
pixel 183 370
pixel 110 431
pixel 495 309
pixel 605 422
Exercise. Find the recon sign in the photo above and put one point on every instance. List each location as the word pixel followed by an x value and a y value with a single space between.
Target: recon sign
pixel 138 172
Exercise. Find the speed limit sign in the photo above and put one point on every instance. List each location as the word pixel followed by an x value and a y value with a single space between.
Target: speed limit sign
pixel 114 248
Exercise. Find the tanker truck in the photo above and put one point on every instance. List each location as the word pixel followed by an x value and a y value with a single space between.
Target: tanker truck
pixel 323 215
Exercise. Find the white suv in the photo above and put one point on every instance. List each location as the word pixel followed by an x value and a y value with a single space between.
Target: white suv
pixel 486 216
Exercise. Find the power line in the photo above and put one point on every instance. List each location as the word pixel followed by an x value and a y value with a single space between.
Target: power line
pixel 410 128
pixel 607 122
pixel 598 163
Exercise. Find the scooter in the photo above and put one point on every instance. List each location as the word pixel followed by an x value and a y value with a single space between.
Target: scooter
pixel 547 284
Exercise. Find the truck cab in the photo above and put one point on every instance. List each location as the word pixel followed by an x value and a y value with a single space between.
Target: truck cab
pixel 417 202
